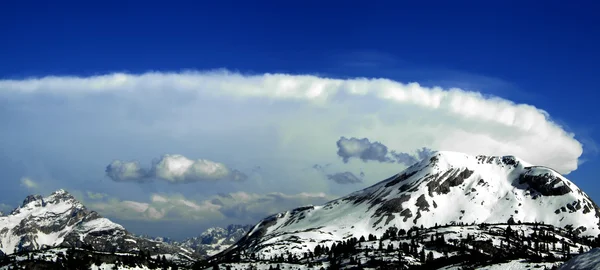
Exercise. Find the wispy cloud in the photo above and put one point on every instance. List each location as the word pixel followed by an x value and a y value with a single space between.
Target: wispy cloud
pixel 344 178
pixel 5 208
pixel 29 183
pixel 96 196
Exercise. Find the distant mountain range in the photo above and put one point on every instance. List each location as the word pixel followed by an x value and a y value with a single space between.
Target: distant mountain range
pixel 211 241
pixel 449 211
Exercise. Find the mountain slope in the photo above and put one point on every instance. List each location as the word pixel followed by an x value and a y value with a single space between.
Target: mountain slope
pixel 446 188
pixel 59 220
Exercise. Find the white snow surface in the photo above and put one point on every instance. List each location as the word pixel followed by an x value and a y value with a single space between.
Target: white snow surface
pixel 490 192
pixel 586 261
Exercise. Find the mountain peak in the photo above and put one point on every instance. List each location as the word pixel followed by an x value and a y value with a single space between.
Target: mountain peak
pixel 59 221
pixel 32 198
pixel 444 188
pixel 56 196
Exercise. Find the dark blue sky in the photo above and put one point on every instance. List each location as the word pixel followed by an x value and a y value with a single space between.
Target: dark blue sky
pixel 541 54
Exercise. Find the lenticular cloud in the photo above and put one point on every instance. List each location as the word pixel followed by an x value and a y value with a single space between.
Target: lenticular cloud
pixel 456 119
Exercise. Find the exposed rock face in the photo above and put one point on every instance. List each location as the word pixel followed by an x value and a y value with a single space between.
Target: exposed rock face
pixel 445 188
pixel 59 220
pixel 547 184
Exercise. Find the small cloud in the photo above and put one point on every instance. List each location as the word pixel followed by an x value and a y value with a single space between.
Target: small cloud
pixel 376 151
pixel 5 208
pixel 321 168
pixel 424 153
pixel 363 149
pixel 28 183
pixel 410 159
pixel 179 169
pixel 96 196
pixel 120 171
pixel 403 158
pixel 345 178
pixel 173 169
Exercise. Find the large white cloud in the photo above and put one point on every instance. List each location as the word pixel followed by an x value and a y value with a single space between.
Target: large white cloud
pixel 173 169
pixel 299 117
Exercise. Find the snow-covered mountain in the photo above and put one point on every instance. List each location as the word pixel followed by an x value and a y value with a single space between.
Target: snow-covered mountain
pixel 215 239
pixel 447 188
pixel 60 221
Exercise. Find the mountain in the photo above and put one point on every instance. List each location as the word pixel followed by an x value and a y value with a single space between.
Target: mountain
pixel 215 240
pixel 59 221
pixel 446 190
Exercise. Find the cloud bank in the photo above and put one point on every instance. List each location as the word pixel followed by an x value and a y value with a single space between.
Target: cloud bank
pixel 173 169
pixel 304 108
pixel 233 206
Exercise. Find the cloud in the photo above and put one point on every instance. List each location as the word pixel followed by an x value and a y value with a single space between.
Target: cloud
pixel 321 168
pixel 344 178
pixel 410 159
pixel 277 118
pixel 5 209
pixel 253 206
pixel 120 171
pixel 173 169
pixel 363 149
pixel 249 207
pixel 375 151
pixel 29 183
pixel 96 196
pixel 179 169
